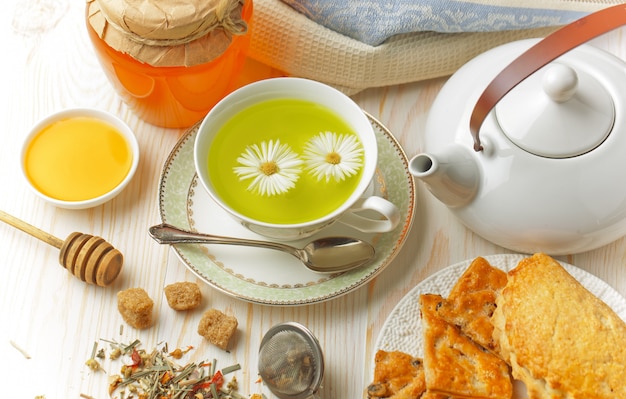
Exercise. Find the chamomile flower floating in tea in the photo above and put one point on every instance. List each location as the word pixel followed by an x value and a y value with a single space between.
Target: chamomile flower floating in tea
pixel 331 155
pixel 273 167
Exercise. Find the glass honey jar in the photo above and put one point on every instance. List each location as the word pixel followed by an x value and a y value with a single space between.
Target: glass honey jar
pixel 171 61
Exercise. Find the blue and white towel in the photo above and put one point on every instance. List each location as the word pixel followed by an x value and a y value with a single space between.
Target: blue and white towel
pixel 374 21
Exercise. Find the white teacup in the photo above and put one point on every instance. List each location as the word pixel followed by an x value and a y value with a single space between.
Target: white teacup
pixel 246 109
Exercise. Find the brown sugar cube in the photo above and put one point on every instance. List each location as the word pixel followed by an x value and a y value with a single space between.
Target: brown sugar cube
pixel 135 306
pixel 183 296
pixel 217 327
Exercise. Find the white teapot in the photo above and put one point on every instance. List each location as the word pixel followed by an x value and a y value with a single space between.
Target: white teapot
pixel 526 143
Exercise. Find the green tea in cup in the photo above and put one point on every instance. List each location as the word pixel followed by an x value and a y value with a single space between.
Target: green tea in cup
pixel 287 157
pixel 292 124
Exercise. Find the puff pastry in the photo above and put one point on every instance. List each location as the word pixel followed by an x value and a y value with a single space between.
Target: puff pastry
pixel 397 375
pixel 560 340
pixel 456 366
pixel 472 301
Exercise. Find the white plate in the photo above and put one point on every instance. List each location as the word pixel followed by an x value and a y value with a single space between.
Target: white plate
pixel 402 330
pixel 266 276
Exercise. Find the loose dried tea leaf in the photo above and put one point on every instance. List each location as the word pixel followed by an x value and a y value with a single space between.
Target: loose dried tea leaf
pixel 155 375
pixel 92 363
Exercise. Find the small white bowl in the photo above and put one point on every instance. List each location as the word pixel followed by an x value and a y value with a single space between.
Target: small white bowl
pixel 108 118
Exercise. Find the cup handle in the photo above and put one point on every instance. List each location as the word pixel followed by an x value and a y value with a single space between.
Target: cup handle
pixel 387 218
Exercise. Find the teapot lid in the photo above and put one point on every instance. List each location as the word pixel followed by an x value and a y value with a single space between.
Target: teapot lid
pixel 558 112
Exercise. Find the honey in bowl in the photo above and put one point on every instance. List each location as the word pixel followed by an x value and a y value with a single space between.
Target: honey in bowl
pixel 79 158
pixel 293 123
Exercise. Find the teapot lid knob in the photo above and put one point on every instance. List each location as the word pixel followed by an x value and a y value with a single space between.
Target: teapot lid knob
pixel 558 112
pixel 560 82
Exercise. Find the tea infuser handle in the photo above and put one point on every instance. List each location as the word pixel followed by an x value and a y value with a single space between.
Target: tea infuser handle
pixel 551 47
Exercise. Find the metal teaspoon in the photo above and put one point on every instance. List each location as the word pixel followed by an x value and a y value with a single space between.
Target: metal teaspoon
pixel 323 255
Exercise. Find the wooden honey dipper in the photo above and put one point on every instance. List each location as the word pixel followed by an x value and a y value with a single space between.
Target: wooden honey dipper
pixel 90 258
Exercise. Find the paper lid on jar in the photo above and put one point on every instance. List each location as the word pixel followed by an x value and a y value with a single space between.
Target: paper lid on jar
pixel 168 32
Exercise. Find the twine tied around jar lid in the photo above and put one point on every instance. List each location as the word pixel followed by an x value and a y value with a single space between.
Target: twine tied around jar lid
pixel 168 32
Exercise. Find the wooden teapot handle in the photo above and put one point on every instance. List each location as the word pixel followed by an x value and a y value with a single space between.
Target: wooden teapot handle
pixel 539 55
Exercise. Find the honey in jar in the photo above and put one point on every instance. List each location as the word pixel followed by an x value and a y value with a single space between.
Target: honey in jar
pixel 171 62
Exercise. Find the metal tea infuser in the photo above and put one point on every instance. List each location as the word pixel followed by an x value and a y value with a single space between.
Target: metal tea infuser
pixel 291 362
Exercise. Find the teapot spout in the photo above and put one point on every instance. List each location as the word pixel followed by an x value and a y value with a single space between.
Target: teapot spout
pixel 452 176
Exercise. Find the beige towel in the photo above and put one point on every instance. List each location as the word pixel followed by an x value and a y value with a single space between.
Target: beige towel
pixel 287 40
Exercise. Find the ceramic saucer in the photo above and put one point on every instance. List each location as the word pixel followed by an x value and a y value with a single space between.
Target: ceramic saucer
pixel 271 277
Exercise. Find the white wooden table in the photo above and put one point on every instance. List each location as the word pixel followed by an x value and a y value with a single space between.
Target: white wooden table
pixel 50 320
